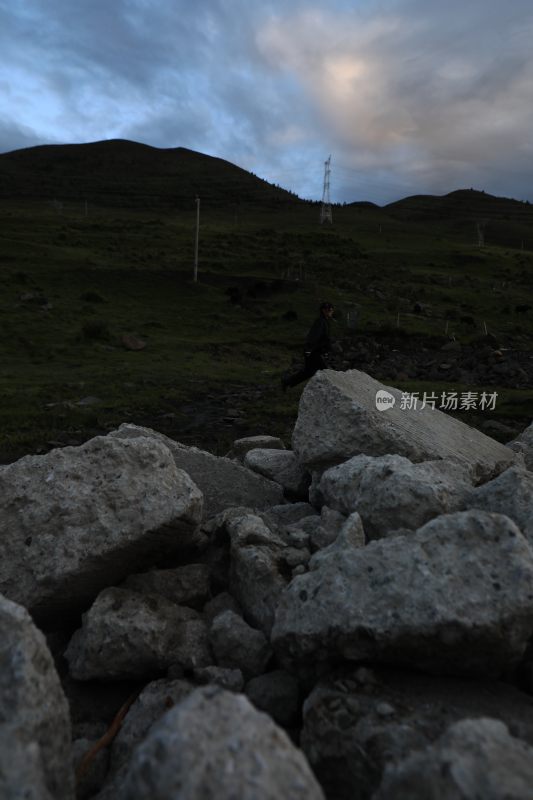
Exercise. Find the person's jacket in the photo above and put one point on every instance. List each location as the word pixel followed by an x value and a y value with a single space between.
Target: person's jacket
pixel 318 340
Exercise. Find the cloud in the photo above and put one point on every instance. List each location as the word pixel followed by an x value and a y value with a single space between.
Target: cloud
pixel 408 96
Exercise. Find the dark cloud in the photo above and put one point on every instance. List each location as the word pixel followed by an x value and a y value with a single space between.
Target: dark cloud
pixel 408 96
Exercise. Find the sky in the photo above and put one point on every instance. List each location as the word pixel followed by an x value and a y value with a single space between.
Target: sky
pixel 407 96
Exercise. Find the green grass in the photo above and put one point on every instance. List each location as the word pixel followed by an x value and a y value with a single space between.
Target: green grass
pixel 72 285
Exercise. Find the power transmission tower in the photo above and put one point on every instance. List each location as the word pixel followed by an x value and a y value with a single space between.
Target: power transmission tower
pixel 325 208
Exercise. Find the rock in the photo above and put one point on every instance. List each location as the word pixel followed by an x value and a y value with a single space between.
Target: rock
pixel 288 514
pixel 153 702
pixel 127 635
pixel 238 646
pixel 258 571
pixel 455 598
pixel 390 491
pixel 79 518
pixel 511 493
pixel 222 602
pixel 21 770
pixel 185 586
pixel 277 694
pixel 223 483
pixel 282 467
pixel 321 530
pixel 356 721
pixel 240 447
pixel 354 426
pixel 473 759
pixel 523 444
pixel 351 535
pixel 215 744
pixel 231 679
pixel 94 775
pixel 34 716
pixel 193 648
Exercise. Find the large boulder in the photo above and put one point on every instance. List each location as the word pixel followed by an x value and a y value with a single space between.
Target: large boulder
pixel 79 518
pixel 215 744
pixel 454 597
pixel 353 425
pixel 391 492
pixel 357 720
pixel 223 482
pixel 128 635
pixel 511 493
pixel 473 759
pixel 34 717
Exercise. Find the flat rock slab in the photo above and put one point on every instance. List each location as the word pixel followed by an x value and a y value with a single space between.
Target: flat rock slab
pixel 223 482
pixel 34 716
pixel 454 597
pixel 215 744
pixel 353 425
pixel 80 518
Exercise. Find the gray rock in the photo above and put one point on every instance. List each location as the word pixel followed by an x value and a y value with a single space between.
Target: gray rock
pixel 288 514
pixel 220 603
pixel 223 482
pixel 473 759
pixel 350 536
pixel 511 493
pixel 79 518
pixel 390 491
pixel 276 693
pixel 240 447
pixel 192 649
pixel 185 586
pixel 34 717
pixel 258 572
pixel 523 444
pixel 455 597
pixel 95 773
pixel 127 635
pixel 238 646
pixel 22 775
pixel 356 721
pixel 215 744
pixel 282 467
pixel 231 679
pixel 153 702
pixel 354 426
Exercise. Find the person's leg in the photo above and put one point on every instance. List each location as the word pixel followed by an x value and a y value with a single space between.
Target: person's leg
pixel 313 363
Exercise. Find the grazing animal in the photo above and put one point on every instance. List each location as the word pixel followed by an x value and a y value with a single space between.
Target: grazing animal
pixel 467 321
pixel 522 309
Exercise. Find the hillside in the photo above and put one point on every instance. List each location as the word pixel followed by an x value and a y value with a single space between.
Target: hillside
pixel 100 322
pixel 131 175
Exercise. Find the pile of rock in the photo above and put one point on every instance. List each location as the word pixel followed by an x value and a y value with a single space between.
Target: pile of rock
pixel 349 618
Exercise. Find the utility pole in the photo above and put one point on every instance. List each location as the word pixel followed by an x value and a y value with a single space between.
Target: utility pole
pixel 325 208
pixel 195 276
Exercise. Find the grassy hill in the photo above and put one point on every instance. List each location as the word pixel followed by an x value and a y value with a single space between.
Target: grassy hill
pixel 96 244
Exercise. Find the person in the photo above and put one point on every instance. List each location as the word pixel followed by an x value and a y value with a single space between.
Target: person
pixel 317 346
